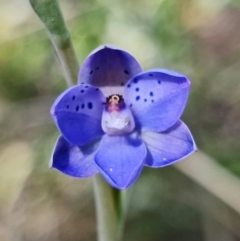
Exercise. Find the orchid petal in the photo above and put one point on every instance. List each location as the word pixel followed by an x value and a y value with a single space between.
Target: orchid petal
pixel 77 113
pixel 73 160
pixel 120 159
pixel 157 98
pixel 109 68
pixel 172 145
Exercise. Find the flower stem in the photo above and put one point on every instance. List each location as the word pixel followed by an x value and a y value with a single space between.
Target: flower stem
pixel 50 14
pixel 109 210
pixel 109 201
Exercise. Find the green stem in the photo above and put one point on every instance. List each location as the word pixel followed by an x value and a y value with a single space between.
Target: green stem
pixel 50 14
pixel 109 210
pixel 109 201
pixel 68 61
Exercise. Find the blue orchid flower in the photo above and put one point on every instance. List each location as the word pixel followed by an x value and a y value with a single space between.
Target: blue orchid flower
pixel 119 119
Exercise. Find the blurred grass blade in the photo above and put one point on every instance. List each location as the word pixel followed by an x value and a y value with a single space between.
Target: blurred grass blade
pixel 50 14
pixel 205 171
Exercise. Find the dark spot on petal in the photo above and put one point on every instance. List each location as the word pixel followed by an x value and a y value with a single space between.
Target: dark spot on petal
pixel 82 91
pixel 97 89
pixel 82 106
pixel 145 100
pixel 90 105
pixel 159 81
pixel 137 89
pixel 130 105
pixel 77 107
pixel 126 71
pixel 82 83
pixel 128 85
pixel 151 93
pixel 73 98
pixel 67 106
pixel 91 72
pixel 97 68
pixel 152 101
pixel 86 86
pixel 138 97
pixel 122 84
pixel 103 103
pixel 151 75
pixel 135 80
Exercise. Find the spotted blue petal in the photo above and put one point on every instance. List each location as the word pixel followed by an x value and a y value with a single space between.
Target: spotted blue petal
pixel 109 68
pixel 77 113
pixel 121 158
pixel 172 145
pixel 157 98
pixel 73 160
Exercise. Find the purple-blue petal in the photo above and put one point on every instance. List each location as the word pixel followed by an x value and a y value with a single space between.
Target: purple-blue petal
pixel 120 159
pixel 157 98
pixel 73 160
pixel 172 145
pixel 109 68
pixel 77 113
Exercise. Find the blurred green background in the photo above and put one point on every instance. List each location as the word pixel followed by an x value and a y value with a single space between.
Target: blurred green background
pixel 197 199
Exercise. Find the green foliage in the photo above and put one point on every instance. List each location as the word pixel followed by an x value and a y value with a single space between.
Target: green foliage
pixel 50 14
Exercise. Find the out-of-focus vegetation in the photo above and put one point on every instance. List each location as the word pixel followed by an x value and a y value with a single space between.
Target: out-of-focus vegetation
pixel 200 38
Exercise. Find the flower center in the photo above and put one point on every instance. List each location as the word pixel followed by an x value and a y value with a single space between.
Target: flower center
pixel 114 103
pixel 117 118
